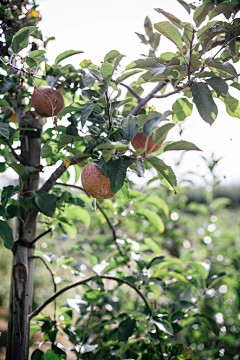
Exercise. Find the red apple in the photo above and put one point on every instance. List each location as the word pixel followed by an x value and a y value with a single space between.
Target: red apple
pixel 95 182
pixel 47 102
pixel 139 141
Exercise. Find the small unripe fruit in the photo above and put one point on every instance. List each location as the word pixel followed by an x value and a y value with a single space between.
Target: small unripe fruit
pixel 47 102
pixel 139 141
pixel 95 182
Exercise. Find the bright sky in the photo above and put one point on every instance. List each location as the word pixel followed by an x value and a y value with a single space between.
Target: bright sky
pixel 98 26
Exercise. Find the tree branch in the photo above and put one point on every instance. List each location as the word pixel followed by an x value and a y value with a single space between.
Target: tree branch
pixel 106 217
pixel 145 100
pixel 132 91
pixel 84 281
pixel 17 157
pixel 60 170
pixel 169 94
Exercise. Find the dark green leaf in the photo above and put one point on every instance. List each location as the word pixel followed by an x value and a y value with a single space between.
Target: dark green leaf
pixel 3 167
pixel 38 355
pixel 101 164
pixel 2 211
pixel 31 63
pixel 185 5
pixel 161 133
pixel 65 55
pixel 129 127
pixel 126 75
pixel 52 80
pixel 203 99
pixel 215 278
pixel 111 55
pixel 165 173
pixel 96 74
pixel 34 54
pixel 155 261
pixel 149 125
pixel 8 192
pixel 7 83
pixel 222 8
pixel 170 32
pixel 171 17
pixel 45 202
pixel 164 326
pixel 6 234
pixel 232 69
pixel 181 145
pixel 202 11
pixel 126 329
pixel 117 61
pixel 3 102
pixel 4 130
pixel 50 148
pixel 211 323
pixel 19 168
pixel 182 305
pixel 93 295
pixel 86 111
pixel 219 85
pixel 24 202
pixel 116 172
pixel 21 38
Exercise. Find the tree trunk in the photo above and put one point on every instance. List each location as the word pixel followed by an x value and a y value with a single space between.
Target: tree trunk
pixel 21 291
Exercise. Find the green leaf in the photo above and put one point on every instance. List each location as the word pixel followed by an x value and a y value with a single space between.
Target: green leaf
pixel 24 202
pixel 45 202
pixel 155 261
pixel 158 202
pixel 31 63
pixel 209 322
pixel 106 70
pixel 181 145
pixel 182 305
pixel 111 55
pixel 219 85
pixel 187 256
pixel 171 17
pixel 130 127
pixel 8 192
pixel 126 329
pixel 149 125
pixel 203 99
pixel 222 8
pixel 182 109
pixel 66 54
pixel 117 61
pixel 96 74
pixel 170 32
pixel 202 11
pixel 86 111
pixel 123 193
pixel 38 354
pixel 215 278
pixel 116 172
pixel 93 295
pixel 112 145
pixel 36 53
pixel 3 167
pixel 232 106
pixel 50 148
pixel 4 130
pixel 201 269
pixel 153 218
pixel 126 75
pixel 19 168
pixel 185 5
pixel 164 326
pixel 7 83
pixel 157 69
pixel 51 355
pixel 164 172
pixel 205 28
pixel 3 102
pixel 232 69
pixel 161 133
pixel 92 258
pixel 152 245
pixel 6 234
pixel 21 38
pixel 226 67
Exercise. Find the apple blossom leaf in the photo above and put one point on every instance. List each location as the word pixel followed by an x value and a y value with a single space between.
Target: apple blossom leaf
pixel 126 75
pixel 21 38
pixel 126 329
pixel 149 125
pixel 219 85
pixel 6 234
pixel 86 111
pixel 116 172
pixel 202 11
pixel 170 32
pixel 161 133
pixel 182 108
pixel 45 202
pixel 202 98
pixel 66 54
pixel 165 173
pixel 129 127
pixel 4 129
pixel 181 145
pixel 96 74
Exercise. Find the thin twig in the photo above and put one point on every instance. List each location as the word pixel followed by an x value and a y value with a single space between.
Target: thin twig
pixel 106 217
pixel 145 100
pixel 170 93
pixel 17 157
pixel 40 236
pixel 226 41
pixel 52 275
pixel 132 91
pixel 85 331
pixel 84 281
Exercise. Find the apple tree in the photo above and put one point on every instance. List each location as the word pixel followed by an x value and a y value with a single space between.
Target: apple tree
pixel 106 136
